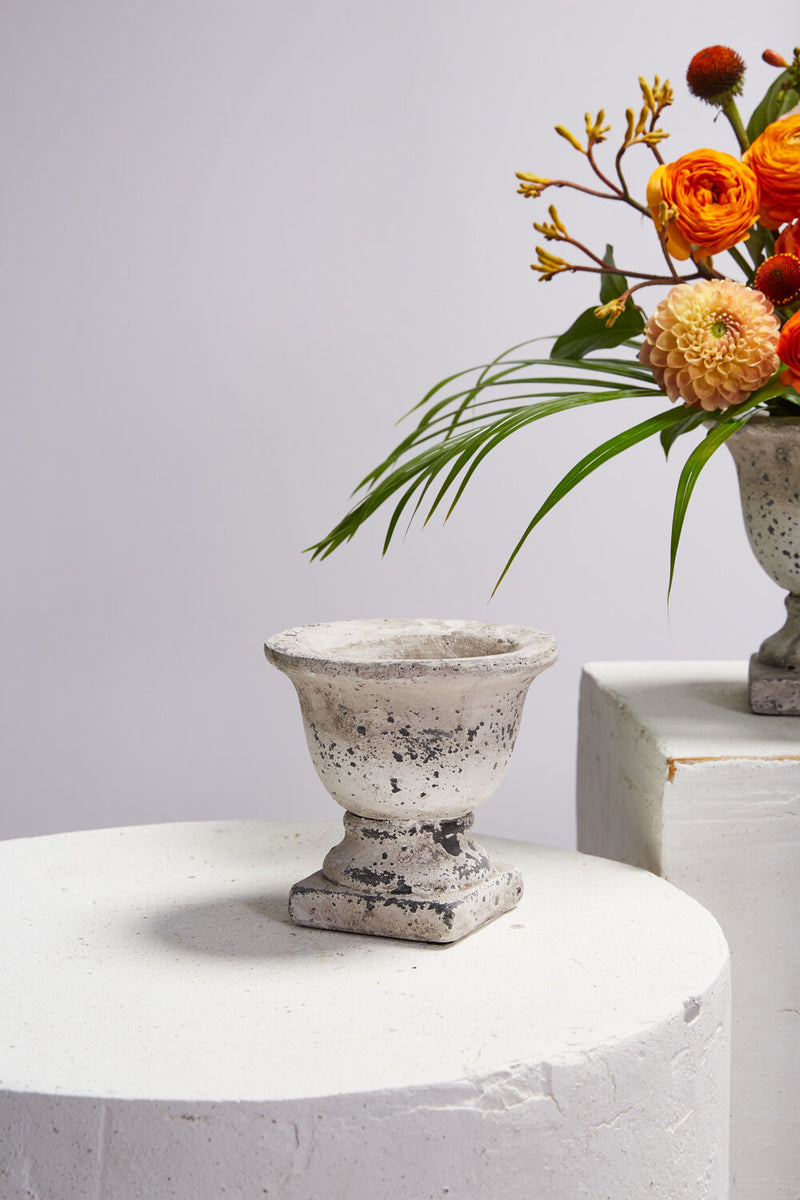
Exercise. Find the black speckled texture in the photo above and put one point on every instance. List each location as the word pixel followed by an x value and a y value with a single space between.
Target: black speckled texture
pixel 428 858
pixel 404 738
pixel 767 456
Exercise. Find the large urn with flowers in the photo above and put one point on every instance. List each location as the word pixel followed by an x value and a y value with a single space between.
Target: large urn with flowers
pixel 709 319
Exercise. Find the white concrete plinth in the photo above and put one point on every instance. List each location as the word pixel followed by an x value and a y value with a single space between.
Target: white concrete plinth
pixel 675 774
pixel 166 1031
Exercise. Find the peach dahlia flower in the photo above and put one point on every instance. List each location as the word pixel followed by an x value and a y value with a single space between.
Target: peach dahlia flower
pixel 711 343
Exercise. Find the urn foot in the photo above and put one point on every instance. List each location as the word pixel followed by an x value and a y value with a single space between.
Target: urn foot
pixel 774 691
pixel 775 669
pixel 425 881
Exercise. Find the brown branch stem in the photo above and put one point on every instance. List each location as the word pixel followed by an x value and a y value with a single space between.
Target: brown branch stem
pixel 603 266
pixel 604 179
pixel 567 183
pixel 650 279
pixel 662 241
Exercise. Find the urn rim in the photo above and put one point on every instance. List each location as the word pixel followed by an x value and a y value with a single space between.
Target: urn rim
pixel 397 647
pixel 763 423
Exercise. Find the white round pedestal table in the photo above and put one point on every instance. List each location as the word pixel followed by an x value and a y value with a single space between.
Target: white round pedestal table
pixel 165 1031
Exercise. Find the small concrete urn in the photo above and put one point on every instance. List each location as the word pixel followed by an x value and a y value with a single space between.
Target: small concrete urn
pixel 767 456
pixel 410 725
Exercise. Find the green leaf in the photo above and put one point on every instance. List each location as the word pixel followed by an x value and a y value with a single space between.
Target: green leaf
pixel 670 435
pixel 786 404
pixel 772 106
pixel 760 244
pixel 589 333
pixel 694 464
pixel 614 285
pixel 602 454
pixel 489 436
pixel 464 451
pixel 451 438
pixel 583 374
pixel 719 433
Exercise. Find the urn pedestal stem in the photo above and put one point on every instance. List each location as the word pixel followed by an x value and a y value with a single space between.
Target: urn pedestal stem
pixel 426 881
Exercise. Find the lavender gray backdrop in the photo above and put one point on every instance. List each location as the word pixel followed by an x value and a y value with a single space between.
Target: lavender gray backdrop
pixel 240 239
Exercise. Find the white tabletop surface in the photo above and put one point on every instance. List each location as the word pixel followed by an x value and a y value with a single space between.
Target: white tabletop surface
pixel 697 708
pixel 159 962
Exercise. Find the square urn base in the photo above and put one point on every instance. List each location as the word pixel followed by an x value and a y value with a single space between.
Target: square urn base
pixel 774 691
pixel 318 902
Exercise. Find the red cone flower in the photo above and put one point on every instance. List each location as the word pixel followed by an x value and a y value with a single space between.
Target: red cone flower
pixel 779 278
pixel 715 73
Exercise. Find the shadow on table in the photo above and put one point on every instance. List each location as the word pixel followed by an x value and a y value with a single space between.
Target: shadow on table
pixel 668 696
pixel 254 927
pixel 258 928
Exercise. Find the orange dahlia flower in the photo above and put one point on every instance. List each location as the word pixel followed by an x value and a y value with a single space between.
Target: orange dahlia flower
pixel 711 343
pixel 715 198
pixel 775 158
pixel 789 352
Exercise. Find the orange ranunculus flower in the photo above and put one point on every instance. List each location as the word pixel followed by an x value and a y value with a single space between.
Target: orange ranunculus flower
pixel 788 240
pixel 716 198
pixel 775 158
pixel 788 351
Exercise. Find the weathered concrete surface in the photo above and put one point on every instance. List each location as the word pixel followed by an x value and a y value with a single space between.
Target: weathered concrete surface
pixel 429 881
pixel 774 678
pixel 675 774
pixel 166 1032
pixel 767 456
pixel 410 725
pixel 411 718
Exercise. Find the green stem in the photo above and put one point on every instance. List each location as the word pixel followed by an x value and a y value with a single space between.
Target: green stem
pixel 732 113
pixel 742 261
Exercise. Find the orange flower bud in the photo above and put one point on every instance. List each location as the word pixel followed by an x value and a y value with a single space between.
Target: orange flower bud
pixel 775 158
pixel 716 199
pixel 774 59
pixel 788 351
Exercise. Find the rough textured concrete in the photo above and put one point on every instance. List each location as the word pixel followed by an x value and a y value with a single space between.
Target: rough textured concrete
pixel 411 718
pixel 410 725
pixel 767 456
pixel 429 881
pixel 166 1032
pixel 774 679
pixel 675 774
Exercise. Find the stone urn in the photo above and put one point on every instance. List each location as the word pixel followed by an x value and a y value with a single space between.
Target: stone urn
pixel 410 724
pixel 767 456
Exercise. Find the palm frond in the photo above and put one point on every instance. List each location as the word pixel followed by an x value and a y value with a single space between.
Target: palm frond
pixel 455 432
pixel 601 454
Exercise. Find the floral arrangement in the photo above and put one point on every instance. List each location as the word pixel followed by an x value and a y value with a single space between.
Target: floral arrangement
pixel 721 348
